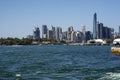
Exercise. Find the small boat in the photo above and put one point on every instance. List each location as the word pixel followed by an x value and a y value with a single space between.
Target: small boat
pixel 116 48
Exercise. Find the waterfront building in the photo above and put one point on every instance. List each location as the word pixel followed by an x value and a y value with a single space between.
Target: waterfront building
pixel 112 33
pixel 59 33
pixel 73 36
pixel 101 29
pixel 104 32
pixel 84 35
pixel 54 32
pixel 36 33
pixel 50 35
pixel 64 35
pixel 88 35
pixel 79 36
pixel 95 26
pixel 70 29
pixel 108 33
pixel 44 31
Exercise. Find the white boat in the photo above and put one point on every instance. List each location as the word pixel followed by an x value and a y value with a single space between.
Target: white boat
pixel 116 48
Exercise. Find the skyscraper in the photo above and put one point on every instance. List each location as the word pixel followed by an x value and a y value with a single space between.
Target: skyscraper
pixel 84 35
pixel 44 31
pixel 36 33
pixel 78 36
pixel 98 30
pixel 101 30
pixel 70 29
pixel 54 32
pixel 88 35
pixel 95 26
pixel 59 33
pixel 73 36
pixel 64 35
pixel 50 34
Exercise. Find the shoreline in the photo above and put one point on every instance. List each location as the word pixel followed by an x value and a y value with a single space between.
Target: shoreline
pixel 66 44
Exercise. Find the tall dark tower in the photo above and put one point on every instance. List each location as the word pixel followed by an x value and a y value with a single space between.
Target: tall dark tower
pixel 95 26
pixel 36 33
pixel 44 31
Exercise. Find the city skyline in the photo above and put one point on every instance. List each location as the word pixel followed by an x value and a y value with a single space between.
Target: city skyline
pixel 18 18
pixel 100 31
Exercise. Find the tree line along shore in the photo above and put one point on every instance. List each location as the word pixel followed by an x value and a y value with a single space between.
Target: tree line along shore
pixel 26 41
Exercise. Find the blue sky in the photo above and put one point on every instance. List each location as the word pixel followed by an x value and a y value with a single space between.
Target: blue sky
pixel 19 17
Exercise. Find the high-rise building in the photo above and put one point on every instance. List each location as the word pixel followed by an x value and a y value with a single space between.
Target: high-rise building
pixel 101 29
pixel 59 33
pixel 112 33
pixel 73 36
pixel 88 35
pixel 64 35
pixel 54 32
pixel 98 30
pixel 95 26
pixel 84 35
pixel 50 34
pixel 106 32
pixel 44 31
pixel 79 37
pixel 70 29
pixel 36 33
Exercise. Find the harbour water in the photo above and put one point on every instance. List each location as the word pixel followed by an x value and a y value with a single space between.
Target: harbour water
pixel 58 62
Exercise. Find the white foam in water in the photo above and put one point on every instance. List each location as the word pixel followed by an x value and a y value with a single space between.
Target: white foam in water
pixel 38 72
pixel 18 75
pixel 111 76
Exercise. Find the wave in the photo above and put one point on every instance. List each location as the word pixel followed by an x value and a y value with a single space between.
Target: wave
pixel 111 76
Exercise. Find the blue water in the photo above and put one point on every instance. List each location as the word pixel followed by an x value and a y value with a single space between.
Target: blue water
pixel 58 62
